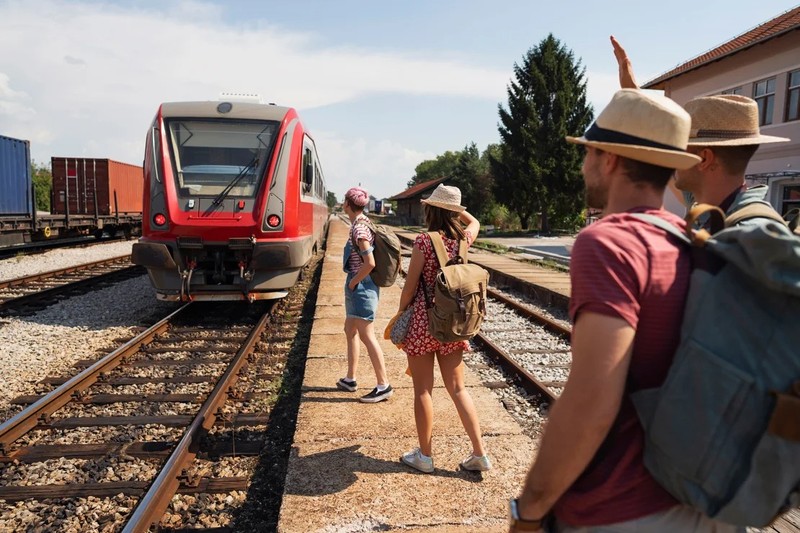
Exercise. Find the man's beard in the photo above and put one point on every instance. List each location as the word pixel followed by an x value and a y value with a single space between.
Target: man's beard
pixel 596 198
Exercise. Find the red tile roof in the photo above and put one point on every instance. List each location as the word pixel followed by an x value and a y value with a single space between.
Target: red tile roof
pixel 419 188
pixel 783 23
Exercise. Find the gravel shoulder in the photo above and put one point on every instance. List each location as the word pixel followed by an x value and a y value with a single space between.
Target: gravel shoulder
pixel 51 341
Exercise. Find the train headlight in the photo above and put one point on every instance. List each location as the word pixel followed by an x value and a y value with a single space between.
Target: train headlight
pixel 273 221
pixel 159 219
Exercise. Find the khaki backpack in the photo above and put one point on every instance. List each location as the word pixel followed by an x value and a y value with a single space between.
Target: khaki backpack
pixel 459 303
pixel 386 252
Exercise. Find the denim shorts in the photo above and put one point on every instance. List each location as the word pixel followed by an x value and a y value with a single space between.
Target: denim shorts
pixel 363 301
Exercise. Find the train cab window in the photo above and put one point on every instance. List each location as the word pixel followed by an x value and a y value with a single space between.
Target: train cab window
pixel 214 157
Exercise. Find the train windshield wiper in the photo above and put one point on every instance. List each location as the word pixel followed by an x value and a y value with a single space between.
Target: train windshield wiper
pixel 247 169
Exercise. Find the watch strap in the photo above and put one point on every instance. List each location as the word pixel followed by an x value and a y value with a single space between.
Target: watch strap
pixel 520 524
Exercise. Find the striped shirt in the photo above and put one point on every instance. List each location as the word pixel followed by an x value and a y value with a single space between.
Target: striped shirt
pixel 358 232
pixel 627 268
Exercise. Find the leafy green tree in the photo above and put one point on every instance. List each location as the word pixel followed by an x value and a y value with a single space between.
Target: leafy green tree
pixel 42 185
pixel 331 200
pixel 471 175
pixel 537 171
pixel 432 169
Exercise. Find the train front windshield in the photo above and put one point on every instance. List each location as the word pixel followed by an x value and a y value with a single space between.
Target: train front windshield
pixel 215 158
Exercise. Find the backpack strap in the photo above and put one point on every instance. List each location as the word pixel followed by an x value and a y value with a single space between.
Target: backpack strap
pixel 438 248
pixel 716 218
pixel 792 218
pixel 368 223
pixel 753 210
pixel 663 224
pixel 462 250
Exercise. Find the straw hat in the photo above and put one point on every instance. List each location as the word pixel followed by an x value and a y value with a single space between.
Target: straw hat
pixel 726 120
pixel 445 197
pixel 642 126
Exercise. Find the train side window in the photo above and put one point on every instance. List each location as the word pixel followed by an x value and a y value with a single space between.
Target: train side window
pixel 308 171
pixel 319 187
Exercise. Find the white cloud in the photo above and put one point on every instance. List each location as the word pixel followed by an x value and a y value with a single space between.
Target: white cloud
pixel 383 167
pixel 89 77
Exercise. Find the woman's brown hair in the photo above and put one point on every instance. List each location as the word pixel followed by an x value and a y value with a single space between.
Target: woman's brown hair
pixel 444 220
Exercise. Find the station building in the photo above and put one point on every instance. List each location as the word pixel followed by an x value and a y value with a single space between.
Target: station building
pixel 764 64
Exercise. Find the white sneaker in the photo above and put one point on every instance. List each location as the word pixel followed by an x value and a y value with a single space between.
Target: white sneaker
pixel 478 464
pixel 415 459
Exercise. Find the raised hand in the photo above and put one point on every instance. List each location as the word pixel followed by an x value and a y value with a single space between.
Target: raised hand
pixel 626 78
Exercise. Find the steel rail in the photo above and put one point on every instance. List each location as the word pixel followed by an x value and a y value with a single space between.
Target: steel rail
pixel 151 507
pixel 527 380
pixel 53 273
pixel 31 416
pixel 527 312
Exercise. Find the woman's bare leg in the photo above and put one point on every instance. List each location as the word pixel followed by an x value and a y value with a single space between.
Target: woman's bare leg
pixel 422 376
pixel 366 331
pixel 452 368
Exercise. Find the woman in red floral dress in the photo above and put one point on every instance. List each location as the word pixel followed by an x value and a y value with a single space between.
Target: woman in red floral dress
pixel 445 214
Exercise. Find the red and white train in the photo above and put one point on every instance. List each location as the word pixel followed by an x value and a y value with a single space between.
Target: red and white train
pixel 234 201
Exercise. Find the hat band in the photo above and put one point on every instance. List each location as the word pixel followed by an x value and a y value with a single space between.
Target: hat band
pixel 598 134
pixel 724 134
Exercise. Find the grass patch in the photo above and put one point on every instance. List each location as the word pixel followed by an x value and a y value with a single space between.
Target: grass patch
pixel 490 247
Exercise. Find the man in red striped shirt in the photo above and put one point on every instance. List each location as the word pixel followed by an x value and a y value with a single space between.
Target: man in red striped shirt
pixel 629 286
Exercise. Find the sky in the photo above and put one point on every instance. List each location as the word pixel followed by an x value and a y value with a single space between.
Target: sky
pixel 382 86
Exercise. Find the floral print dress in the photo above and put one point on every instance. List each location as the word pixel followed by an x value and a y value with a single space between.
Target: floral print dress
pixel 418 340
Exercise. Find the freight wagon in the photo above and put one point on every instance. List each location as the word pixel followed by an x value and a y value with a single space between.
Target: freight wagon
pixel 15 177
pixel 84 186
pixel 89 196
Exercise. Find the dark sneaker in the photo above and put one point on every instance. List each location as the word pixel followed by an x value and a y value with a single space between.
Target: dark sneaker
pixel 347 385
pixel 374 396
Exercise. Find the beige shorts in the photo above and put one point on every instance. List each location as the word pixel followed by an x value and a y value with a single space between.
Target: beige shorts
pixel 680 518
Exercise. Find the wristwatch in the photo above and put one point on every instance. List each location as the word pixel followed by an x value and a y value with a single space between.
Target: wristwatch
pixel 521 524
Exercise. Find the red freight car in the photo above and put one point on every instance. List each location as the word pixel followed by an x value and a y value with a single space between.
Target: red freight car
pixel 86 186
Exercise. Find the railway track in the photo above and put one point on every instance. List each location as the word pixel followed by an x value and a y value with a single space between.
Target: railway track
pixel 39 247
pixel 537 356
pixel 181 376
pixel 29 293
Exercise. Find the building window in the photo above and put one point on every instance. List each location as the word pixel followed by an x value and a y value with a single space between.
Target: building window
pixel 791 198
pixel 765 97
pixel 735 90
pixel 793 96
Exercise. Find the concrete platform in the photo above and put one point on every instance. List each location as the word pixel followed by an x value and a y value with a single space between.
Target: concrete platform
pixel 344 471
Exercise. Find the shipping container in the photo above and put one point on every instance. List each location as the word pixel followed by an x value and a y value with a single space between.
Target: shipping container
pixel 16 196
pixel 86 186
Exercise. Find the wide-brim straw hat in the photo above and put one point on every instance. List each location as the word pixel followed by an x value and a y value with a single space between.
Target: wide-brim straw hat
pixel 726 120
pixel 644 127
pixel 446 197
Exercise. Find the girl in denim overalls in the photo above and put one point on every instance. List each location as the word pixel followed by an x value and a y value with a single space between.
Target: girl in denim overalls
pixel 361 299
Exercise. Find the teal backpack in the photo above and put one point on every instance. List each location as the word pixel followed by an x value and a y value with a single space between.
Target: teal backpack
pixel 722 433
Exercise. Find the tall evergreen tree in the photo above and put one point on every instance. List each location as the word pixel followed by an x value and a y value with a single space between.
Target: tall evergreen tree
pixel 537 170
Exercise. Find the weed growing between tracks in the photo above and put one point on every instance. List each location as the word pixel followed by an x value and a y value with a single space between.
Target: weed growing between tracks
pixel 261 510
